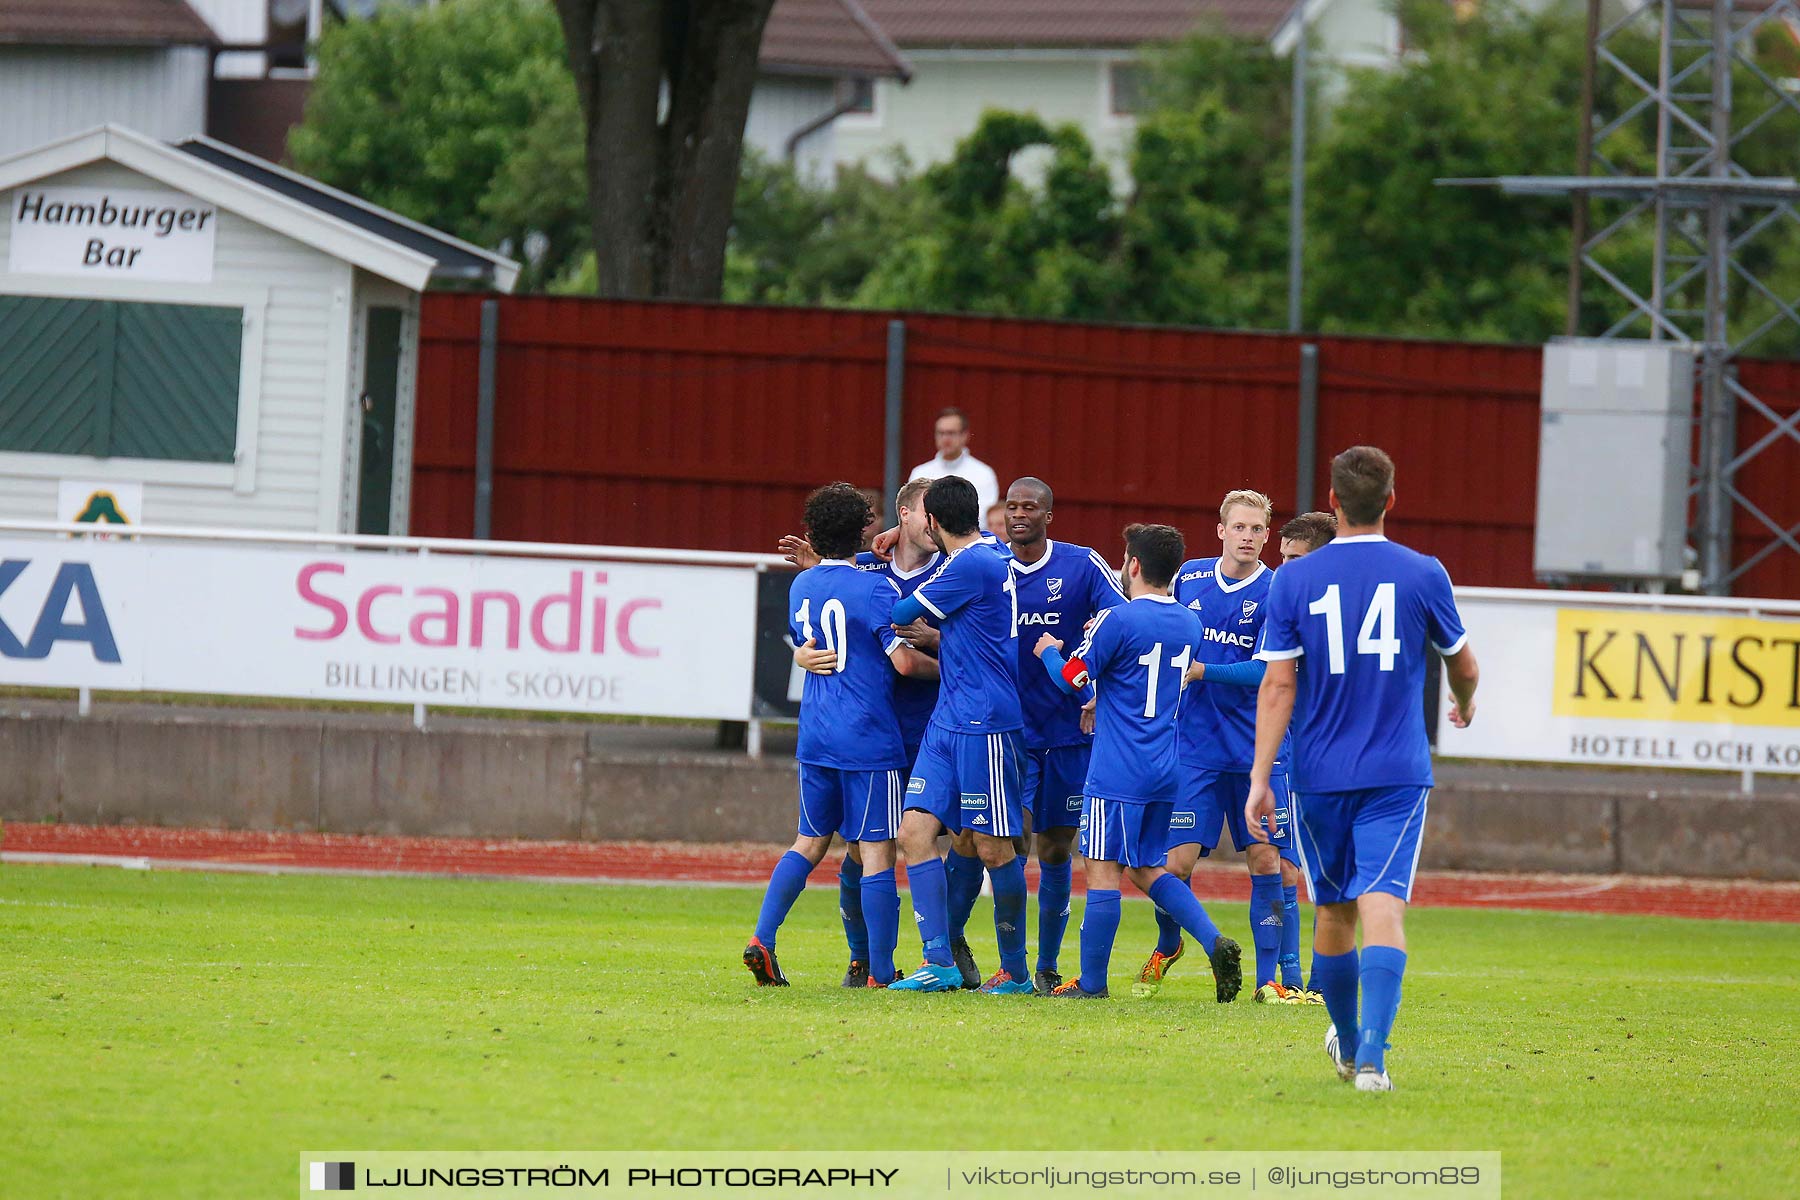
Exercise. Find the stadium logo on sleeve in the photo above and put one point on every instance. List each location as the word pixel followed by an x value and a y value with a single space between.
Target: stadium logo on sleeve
pixel 333 1177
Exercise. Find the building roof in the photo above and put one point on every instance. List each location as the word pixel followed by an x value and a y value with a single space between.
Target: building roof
pixel 826 37
pixel 1067 24
pixel 380 242
pixel 103 22
pixel 456 259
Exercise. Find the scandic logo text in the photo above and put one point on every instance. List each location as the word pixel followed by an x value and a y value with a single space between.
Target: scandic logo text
pixel 558 622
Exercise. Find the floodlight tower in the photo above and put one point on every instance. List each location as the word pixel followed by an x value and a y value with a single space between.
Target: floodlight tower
pixel 1709 219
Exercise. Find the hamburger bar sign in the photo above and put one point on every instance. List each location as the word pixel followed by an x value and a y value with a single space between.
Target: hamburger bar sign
pixel 112 233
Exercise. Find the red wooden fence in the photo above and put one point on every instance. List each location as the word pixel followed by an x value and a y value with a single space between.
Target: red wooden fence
pixel 704 426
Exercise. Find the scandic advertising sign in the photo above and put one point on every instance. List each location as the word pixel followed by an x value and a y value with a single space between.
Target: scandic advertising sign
pixel 1561 682
pixel 534 634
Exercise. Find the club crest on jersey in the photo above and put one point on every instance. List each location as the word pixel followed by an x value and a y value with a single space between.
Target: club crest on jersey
pixel 1055 586
pixel 975 800
pixel 1249 609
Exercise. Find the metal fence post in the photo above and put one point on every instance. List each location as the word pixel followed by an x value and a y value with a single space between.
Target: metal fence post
pixel 1308 461
pixel 484 420
pixel 896 398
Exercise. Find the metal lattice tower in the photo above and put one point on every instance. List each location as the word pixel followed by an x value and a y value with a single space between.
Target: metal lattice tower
pixel 1668 175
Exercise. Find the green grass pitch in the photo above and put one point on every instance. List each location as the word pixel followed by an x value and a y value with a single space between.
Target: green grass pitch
pixel 191 1034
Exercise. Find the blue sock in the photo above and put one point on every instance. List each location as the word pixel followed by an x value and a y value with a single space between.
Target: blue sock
pixel 962 884
pixel 1176 898
pixel 1055 882
pixel 1312 984
pixel 1291 976
pixel 1168 933
pixel 786 882
pixel 1265 924
pixel 1009 916
pixel 1335 975
pixel 850 909
pixel 1099 926
pixel 927 882
pixel 881 901
pixel 1382 967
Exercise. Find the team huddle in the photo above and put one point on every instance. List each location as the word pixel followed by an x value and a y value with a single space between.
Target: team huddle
pixel 1031 697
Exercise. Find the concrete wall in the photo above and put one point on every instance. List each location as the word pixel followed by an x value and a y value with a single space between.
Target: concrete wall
pixel 373 774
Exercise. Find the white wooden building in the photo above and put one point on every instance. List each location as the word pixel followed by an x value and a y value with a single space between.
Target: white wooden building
pixel 211 335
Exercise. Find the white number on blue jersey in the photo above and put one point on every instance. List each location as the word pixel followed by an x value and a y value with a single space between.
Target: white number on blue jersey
pixel 1377 633
pixel 833 624
pixel 1153 661
pixel 1012 593
pixel 1375 636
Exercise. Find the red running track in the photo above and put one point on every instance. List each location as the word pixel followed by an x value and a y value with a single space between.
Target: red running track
pixel 677 863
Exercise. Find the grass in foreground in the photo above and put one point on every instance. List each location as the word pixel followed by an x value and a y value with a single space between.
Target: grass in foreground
pixel 191 1034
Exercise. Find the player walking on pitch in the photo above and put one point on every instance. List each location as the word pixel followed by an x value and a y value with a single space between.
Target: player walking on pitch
pixel 1217 737
pixel 850 751
pixel 1136 656
pixel 967 773
pixel 1060 587
pixel 914 559
pixel 1362 763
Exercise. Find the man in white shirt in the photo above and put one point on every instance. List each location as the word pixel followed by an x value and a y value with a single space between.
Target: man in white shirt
pixel 953 458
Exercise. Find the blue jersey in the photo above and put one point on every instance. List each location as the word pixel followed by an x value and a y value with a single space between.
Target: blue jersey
pixel 847 718
pixel 971 596
pixel 1218 724
pixel 1057 594
pixel 1362 610
pixel 1136 655
pixel 913 698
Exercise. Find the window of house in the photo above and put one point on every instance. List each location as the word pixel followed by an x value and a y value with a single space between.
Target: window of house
pixel 1125 88
pixel 113 379
pixel 289 22
pixel 861 100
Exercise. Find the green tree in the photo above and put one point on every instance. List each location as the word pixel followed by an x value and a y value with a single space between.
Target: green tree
pixel 1206 230
pixel 455 115
pixel 987 242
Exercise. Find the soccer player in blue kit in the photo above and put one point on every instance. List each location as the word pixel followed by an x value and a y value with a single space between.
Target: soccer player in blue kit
pixel 967 772
pixel 1060 587
pixel 1218 728
pixel 914 559
pixel 851 756
pixel 1136 656
pixel 1361 759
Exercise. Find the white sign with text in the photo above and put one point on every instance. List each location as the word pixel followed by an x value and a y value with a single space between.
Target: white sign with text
pixel 112 233
pixel 509 633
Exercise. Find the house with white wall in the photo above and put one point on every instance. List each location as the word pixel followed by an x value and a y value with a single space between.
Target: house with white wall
pixel 239 70
pixel 1066 61
pixel 209 339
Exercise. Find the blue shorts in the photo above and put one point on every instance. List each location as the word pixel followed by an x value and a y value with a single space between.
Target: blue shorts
pixel 1132 835
pixel 1363 841
pixel 1206 800
pixel 859 806
pixel 969 781
pixel 1054 782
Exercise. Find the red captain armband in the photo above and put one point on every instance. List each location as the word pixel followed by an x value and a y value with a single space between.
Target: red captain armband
pixel 1075 674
